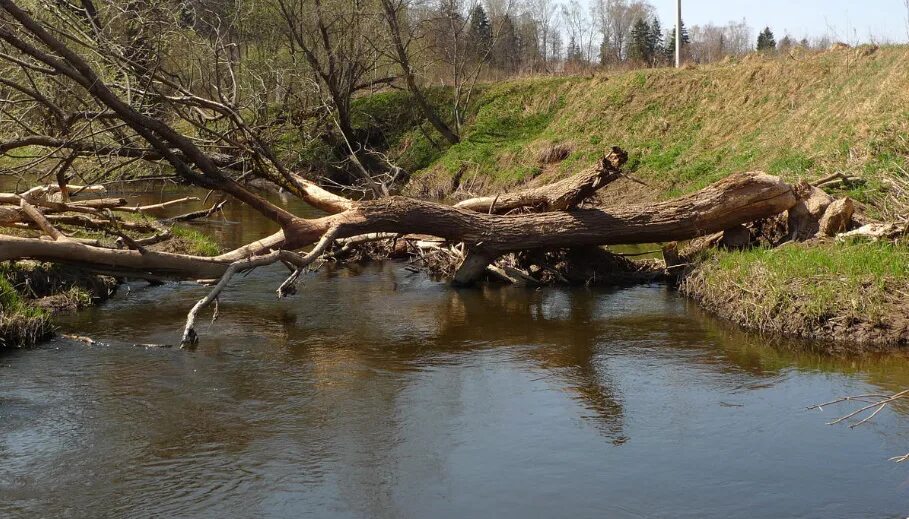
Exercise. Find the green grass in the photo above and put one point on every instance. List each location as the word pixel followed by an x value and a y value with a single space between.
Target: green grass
pixel 812 282
pixel 21 324
pixel 193 242
pixel 834 111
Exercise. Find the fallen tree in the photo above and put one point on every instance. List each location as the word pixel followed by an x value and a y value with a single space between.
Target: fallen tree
pixel 735 200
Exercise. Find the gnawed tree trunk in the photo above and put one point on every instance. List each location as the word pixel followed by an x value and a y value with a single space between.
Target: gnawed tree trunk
pixel 559 196
pixel 736 200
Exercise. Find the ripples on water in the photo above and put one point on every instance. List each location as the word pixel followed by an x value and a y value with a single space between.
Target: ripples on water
pixel 379 393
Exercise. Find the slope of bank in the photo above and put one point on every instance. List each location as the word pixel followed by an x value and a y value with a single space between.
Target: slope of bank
pixel 796 116
pixel 851 295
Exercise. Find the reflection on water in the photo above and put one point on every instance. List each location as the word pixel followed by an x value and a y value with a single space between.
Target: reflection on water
pixel 379 393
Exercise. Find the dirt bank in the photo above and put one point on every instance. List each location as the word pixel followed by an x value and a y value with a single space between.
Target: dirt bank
pixel 850 296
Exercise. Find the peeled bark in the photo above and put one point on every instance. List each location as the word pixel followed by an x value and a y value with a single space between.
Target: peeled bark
pixel 804 218
pixel 559 196
pixel 738 199
pixel 837 218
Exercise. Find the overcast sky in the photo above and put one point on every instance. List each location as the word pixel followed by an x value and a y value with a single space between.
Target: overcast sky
pixel 843 20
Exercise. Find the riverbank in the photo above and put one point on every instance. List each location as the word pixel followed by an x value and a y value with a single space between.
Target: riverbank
pixel 851 296
pixel 32 293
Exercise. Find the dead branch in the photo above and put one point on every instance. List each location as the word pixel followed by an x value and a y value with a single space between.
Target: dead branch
pixel 300 262
pixel 559 196
pixel 195 215
pixel 157 207
pixel 871 405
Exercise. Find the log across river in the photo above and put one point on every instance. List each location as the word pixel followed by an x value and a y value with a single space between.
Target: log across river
pixel 504 402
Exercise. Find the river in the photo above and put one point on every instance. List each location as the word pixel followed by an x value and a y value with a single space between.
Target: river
pixel 377 392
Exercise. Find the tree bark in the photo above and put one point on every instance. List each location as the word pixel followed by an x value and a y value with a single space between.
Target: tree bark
pixel 735 200
pixel 559 196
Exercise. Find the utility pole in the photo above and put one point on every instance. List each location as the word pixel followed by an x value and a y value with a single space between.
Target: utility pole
pixel 678 35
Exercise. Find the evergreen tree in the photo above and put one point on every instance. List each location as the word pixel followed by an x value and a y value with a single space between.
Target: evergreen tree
pixel 655 43
pixel 766 41
pixel 639 48
pixel 573 54
pixel 605 52
pixel 480 32
pixel 786 43
pixel 670 42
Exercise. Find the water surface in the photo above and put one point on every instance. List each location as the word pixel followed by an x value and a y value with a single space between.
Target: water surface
pixel 377 392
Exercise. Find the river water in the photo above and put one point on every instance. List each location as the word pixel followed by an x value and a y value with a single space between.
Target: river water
pixel 377 392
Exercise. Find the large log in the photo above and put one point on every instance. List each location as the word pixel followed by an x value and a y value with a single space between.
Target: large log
pixel 733 201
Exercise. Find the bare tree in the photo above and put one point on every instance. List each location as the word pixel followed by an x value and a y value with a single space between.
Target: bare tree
pixel 545 15
pixel 615 19
pixel 580 28
pixel 711 43
pixel 402 35
pixel 331 37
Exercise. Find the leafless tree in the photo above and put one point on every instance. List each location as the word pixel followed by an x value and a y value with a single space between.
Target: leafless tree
pixel 331 38
pixel 545 16
pixel 402 34
pixel 615 19
pixel 711 43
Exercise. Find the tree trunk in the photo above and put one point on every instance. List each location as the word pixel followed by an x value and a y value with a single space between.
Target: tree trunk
pixel 733 201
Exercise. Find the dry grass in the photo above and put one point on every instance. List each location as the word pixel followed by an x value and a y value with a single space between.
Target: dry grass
pixel 796 116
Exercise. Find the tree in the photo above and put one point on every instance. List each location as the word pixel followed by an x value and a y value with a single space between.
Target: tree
pixel 506 51
pixel 670 43
pixel 395 13
pixel 615 19
pixel 640 49
pixel 655 41
pixel 786 44
pixel 766 41
pixel 580 29
pixel 542 17
pixel 480 32
pixel 573 54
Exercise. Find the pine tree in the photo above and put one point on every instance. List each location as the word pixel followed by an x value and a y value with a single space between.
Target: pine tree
pixel 573 54
pixel 639 49
pixel 766 41
pixel 605 52
pixel 655 43
pixel 480 32
pixel 670 42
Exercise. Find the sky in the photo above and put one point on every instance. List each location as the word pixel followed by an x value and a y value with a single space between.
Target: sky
pixel 855 21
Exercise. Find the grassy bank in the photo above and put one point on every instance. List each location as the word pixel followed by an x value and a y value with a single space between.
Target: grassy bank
pixel 21 323
pixel 802 116
pixel 32 292
pixel 853 293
